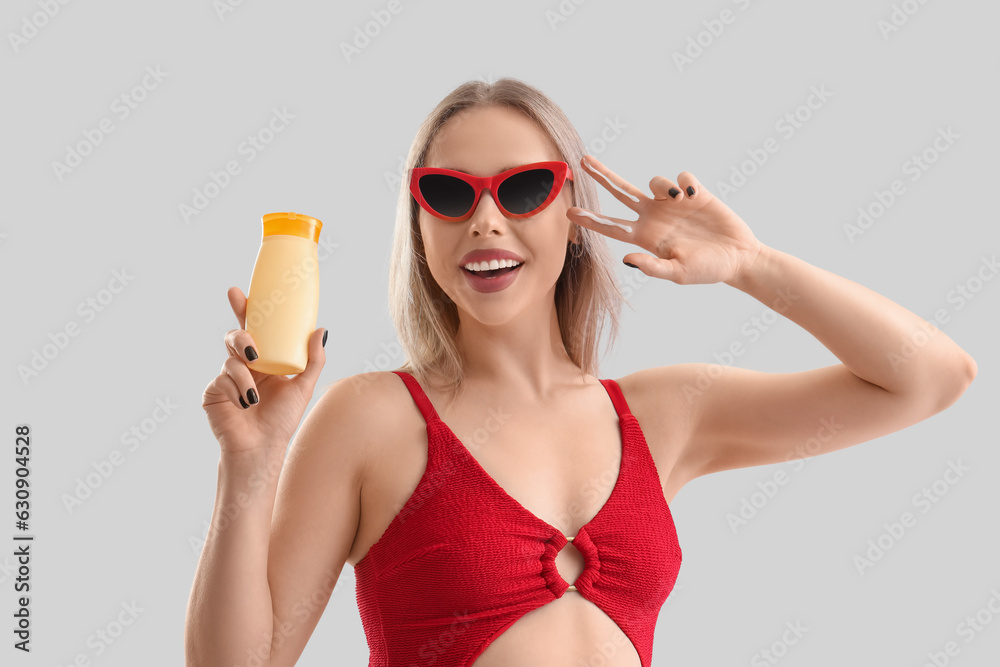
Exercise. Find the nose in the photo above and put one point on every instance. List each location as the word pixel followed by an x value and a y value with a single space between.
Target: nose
pixel 487 214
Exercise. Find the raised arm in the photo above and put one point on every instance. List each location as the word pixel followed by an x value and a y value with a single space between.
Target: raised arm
pixel 897 369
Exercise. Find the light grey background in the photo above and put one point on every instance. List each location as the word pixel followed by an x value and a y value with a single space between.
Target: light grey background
pixel 137 537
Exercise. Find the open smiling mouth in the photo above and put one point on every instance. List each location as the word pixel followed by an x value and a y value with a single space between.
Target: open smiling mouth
pixel 493 273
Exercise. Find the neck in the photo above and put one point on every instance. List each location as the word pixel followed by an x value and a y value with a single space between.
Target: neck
pixel 524 356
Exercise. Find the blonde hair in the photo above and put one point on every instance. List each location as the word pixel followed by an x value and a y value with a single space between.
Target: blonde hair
pixel 587 292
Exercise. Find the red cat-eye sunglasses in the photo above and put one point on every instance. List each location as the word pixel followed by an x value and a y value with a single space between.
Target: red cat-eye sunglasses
pixel 519 192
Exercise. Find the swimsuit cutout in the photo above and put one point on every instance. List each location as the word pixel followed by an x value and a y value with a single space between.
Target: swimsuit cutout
pixel 462 561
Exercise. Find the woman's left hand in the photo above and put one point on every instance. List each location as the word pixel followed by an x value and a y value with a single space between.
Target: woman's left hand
pixel 694 238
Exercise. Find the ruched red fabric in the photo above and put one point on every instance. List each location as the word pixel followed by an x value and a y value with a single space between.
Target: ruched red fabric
pixel 462 561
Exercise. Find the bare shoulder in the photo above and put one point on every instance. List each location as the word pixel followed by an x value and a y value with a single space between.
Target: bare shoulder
pixel 364 405
pixel 660 397
pixel 661 400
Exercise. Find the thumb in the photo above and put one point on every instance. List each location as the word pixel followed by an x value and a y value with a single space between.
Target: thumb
pixel 667 269
pixel 317 359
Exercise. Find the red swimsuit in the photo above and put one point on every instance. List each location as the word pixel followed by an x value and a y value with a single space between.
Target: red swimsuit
pixel 462 561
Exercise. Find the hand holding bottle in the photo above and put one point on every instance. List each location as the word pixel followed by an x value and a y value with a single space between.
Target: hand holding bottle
pixel 274 403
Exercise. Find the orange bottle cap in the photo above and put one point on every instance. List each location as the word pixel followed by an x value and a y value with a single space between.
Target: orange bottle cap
pixel 293 224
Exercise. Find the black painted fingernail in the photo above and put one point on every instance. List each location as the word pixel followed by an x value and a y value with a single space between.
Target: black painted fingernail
pixel 252 396
pixel 673 192
pixel 690 191
pixel 243 403
pixel 250 352
pixel 632 265
pixel 325 332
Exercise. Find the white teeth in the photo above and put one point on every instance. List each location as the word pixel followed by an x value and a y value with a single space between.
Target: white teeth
pixel 492 264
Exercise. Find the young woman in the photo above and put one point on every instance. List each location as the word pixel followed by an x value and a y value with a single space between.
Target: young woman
pixel 500 504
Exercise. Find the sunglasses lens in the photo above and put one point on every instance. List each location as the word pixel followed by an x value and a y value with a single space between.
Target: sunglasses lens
pixel 524 192
pixel 449 196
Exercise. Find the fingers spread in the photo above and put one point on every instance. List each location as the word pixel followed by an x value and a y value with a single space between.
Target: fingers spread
pixel 616 228
pixel 624 191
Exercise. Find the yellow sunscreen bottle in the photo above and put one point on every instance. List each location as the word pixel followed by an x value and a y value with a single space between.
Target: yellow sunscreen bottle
pixel 283 301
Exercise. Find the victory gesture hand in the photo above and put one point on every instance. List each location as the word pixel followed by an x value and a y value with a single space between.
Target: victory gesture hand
pixel 694 237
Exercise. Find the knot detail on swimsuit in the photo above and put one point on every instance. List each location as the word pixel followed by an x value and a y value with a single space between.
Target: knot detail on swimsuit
pixel 591 563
